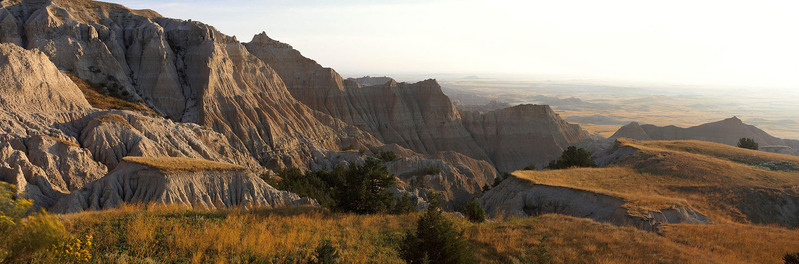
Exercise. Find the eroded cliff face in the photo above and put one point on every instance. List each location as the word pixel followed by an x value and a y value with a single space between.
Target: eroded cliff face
pixel 419 116
pixel 136 183
pixel 53 142
pixel 185 70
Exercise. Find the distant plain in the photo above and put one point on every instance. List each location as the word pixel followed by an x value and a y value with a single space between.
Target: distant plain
pixel 603 108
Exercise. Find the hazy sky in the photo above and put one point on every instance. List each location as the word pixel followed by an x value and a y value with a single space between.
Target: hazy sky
pixel 716 43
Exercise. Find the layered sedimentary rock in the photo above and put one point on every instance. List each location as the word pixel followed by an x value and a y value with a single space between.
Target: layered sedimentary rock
pixel 727 131
pixel 183 181
pixel 53 142
pixel 419 116
pixel 185 70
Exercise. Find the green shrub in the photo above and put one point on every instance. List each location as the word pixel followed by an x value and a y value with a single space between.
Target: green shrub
pixel 497 181
pixel 326 253
pixel 435 240
pixel 573 157
pixel 530 167
pixel 791 258
pixel 404 204
pixel 748 143
pixel 474 212
pixel 387 156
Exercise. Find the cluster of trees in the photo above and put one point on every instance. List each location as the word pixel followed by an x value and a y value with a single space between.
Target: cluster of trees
pixel 748 143
pixel 358 188
pixel 572 157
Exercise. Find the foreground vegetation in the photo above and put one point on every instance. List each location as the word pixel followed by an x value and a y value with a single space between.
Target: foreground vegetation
pixel 294 235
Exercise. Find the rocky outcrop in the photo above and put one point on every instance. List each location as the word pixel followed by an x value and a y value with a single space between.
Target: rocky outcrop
pixel 39 88
pixel 520 197
pixel 727 131
pixel 190 182
pixel 518 136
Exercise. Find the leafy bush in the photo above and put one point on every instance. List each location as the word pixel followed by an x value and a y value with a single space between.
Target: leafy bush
pixel 791 258
pixel 474 212
pixel 573 157
pixel 315 185
pixel 497 181
pixel 436 239
pixel 530 167
pixel 36 238
pixel 387 156
pixel 431 170
pixel 748 143
pixel 326 253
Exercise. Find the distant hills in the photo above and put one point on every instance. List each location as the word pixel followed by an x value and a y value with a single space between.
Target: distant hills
pixel 727 131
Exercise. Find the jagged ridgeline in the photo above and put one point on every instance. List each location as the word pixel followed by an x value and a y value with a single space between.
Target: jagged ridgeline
pixel 162 87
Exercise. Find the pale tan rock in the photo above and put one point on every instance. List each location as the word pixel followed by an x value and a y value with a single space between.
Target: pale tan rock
pixel 30 83
pixel 139 183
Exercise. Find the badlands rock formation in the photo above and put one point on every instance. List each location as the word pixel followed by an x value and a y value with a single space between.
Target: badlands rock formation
pixel 185 70
pixel 727 131
pixel 184 181
pixel 259 105
pixel 419 116
pixel 52 142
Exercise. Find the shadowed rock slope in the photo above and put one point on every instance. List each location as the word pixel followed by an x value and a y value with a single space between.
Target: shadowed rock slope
pixel 727 131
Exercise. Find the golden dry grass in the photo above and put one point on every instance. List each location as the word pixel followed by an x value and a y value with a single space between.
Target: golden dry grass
pixel 718 150
pixel 736 242
pixel 172 164
pixel 62 141
pixel 289 235
pixel 700 174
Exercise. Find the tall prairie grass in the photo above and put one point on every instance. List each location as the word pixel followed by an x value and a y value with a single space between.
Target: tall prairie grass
pixel 290 235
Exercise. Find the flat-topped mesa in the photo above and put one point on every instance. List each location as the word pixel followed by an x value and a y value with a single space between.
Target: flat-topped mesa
pixel 369 81
pixel 183 181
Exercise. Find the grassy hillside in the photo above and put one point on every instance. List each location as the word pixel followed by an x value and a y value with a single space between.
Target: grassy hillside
pixel 291 235
pixel 726 183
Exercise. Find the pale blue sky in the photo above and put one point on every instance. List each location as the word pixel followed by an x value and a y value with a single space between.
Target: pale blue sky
pixel 713 43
